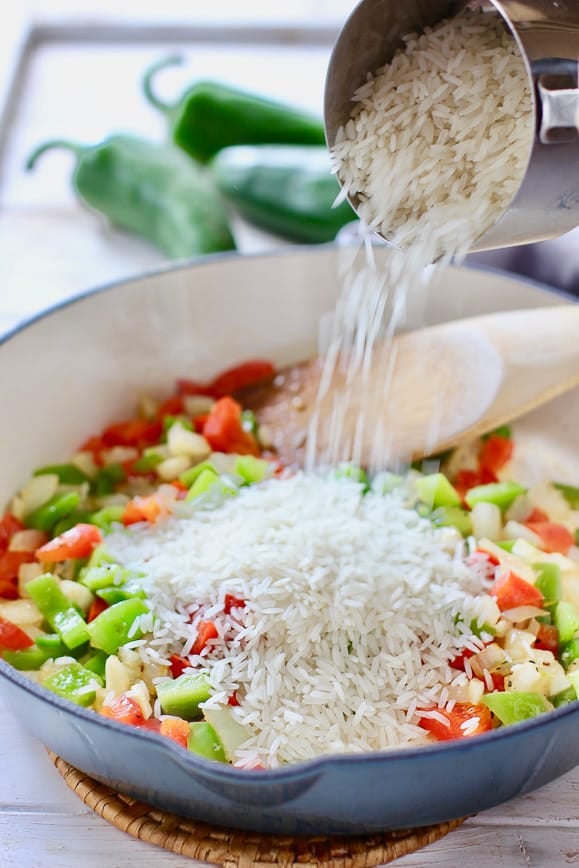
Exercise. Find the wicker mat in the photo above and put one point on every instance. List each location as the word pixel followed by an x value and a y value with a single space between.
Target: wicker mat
pixel 230 848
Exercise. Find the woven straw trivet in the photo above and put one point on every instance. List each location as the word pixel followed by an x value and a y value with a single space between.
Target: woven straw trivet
pixel 234 849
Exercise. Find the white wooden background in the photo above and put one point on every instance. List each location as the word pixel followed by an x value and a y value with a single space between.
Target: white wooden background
pixel 50 248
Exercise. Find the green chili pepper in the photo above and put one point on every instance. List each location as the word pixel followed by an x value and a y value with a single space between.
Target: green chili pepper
pixel 549 583
pixel 151 190
pixel 204 741
pixel 47 516
pixel 57 609
pixel 107 479
pixel 30 659
pixel 512 707
pixel 289 191
pixel 435 490
pixel 68 474
pixel 182 696
pixel 116 626
pixel 211 116
pixel 75 683
pixel 569 492
pixel 502 494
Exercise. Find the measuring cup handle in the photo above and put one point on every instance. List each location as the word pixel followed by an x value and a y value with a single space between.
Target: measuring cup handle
pixel 557 84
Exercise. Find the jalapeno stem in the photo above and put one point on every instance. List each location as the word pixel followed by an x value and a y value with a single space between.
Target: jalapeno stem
pixel 147 84
pixel 62 144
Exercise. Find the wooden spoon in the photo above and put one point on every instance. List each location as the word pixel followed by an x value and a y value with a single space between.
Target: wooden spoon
pixel 449 383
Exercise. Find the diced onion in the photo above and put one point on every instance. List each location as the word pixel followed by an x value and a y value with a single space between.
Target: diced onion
pixel 515 530
pixel 38 491
pixel 520 509
pixel 23 613
pixel 486 521
pixel 119 454
pixel 26 541
pixel 77 594
pixel 172 468
pixel 523 613
pixel 489 658
pixel 197 405
pixel 117 676
pixel 182 442
pixel 27 572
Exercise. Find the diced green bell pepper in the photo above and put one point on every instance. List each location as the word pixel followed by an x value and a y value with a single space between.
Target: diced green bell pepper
pixel 354 473
pixel 54 510
pixel 107 516
pixel 249 422
pixel 502 494
pixel 116 626
pixel 569 653
pixel 549 583
pixel 30 659
pixel 513 707
pixel 574 679
pixel 204 741
pixel 107 576
pixel 79 516
pixel 57 610
pixel 507 544
pixel 452 516
pixel 53 643
pixel 68 474
pixel 74 682
pixel 182 696
pixel 564 698
pixel 129 591
pixel 149 460
pixel 107 479
pixel 189 477
pixel 204 482
pixel 569 492
pixel 96 662
pixel 566 621
pixel 251 469
pixel 435 490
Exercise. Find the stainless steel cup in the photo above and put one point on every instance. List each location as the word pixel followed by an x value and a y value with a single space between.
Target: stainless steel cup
pixel 547 33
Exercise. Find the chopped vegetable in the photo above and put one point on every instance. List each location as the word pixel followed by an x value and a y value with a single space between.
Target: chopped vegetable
pixel 75 683
pixel 56 608
pixel 203 741
pixel 116 625
pixel 78 542
pixel 182 696
pixel 513 707
pixel 12 637
pixel 436 491
pixel 503 494
pixel 224 431
pixel 463 721
pixel 512 591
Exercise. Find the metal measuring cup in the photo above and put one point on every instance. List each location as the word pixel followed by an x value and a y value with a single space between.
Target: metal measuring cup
pixel 547 33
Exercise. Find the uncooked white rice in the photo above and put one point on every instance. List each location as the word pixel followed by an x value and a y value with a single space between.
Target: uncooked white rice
pixel 439 139
pixel 349 625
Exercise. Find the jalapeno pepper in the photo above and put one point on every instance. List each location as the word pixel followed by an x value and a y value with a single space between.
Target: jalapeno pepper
pixel 289 191
pixel 151 190
pixel 210 116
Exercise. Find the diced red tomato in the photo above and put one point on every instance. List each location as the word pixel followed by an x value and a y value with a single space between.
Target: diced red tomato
pixel 124 709
pixel 199 423
pixel 78 542
pixel 554 537
pixel 547 638
pixel 10 563
pixel 192 387
pixel 176 729
pixel 537 515
pixel 206 630
pixel 153 724
pixel 512 591
pixel 12 638
pixel 133 432
pixel 173 406
pixel 96 608
pixel 178 665
pixel 9 525
pixel 490 556
pixel 460 714
pixel 94 445
pixel 495 453
pixel 9 589
pixel 458 662
pixel 224 432
pixel 181 489
pixel 241 376
pixel 233 701
pixel 498 681
pixel 148 508
pixel 231 602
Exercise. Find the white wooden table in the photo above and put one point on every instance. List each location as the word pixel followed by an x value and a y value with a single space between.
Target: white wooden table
pixel 50 248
